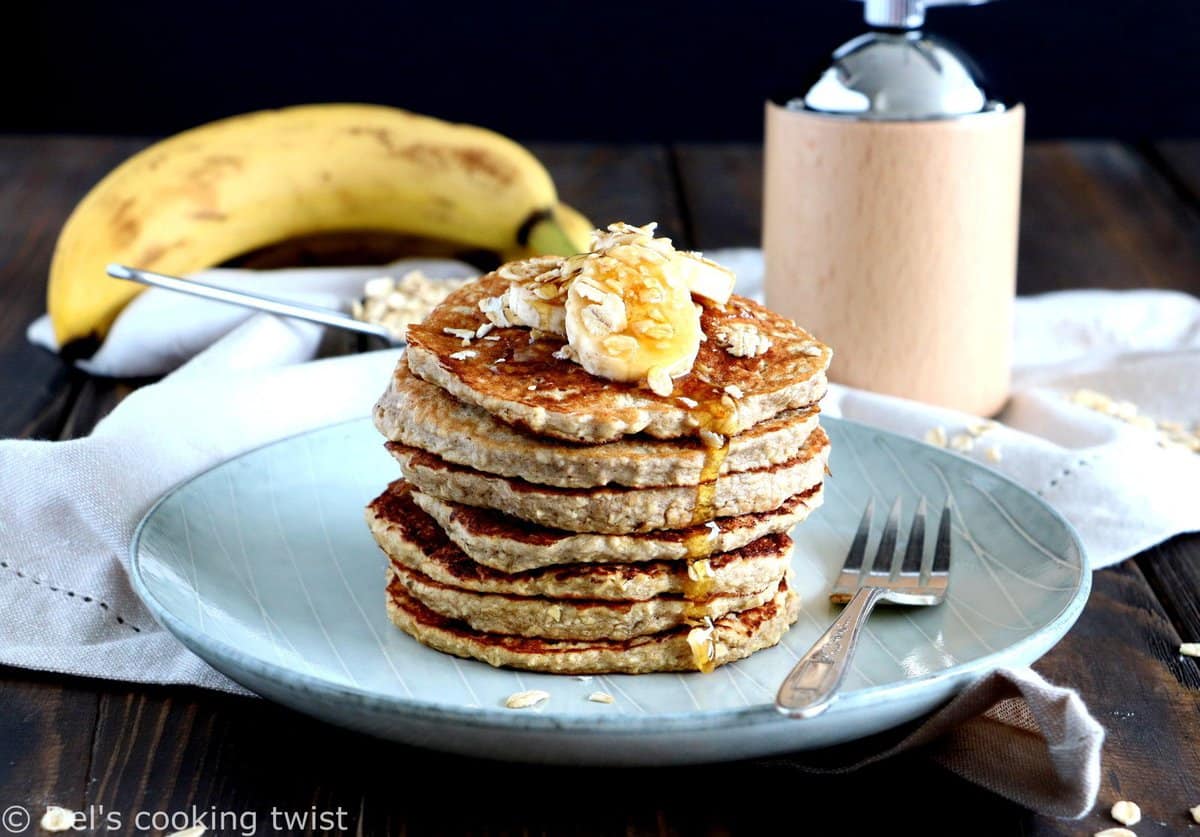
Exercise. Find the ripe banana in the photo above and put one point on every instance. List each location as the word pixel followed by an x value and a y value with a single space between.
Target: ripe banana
pixel 204 196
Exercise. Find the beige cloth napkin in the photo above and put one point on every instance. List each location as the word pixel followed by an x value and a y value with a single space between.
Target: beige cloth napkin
pixel 1010 732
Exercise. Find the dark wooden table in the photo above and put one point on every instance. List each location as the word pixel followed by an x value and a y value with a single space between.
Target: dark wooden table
pixel 1096 214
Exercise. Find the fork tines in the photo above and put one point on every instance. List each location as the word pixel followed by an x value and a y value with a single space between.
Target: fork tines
pixel 911 574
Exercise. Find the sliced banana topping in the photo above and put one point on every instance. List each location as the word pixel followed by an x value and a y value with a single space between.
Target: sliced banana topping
pixel 704 277
pixel 625 306
pixel 630 320
pixel 535 297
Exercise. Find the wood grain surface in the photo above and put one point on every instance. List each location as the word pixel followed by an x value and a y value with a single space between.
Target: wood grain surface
pixel 1094 215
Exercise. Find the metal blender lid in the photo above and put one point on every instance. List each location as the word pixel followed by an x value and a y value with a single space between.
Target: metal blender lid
pixel 893 74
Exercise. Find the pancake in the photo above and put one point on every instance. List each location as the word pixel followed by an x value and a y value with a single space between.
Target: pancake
pixel 552 397
pixel 413 539
pixel 619 510
pixel 538 616
pixel 511 545
pixel 418 414
pixel 734 637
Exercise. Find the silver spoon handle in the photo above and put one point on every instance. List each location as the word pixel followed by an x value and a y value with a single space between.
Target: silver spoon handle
pixel 274 305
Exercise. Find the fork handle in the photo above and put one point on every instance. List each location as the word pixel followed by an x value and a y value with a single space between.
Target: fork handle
pixel 812 685
pixel 273 305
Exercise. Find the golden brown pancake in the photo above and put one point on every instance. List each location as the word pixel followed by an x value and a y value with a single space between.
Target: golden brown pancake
pixel 512 374
pixel 418 414
pixel 413 539
pixel 512 545
pixel 540 616
pixel 734 637
pixel 614 510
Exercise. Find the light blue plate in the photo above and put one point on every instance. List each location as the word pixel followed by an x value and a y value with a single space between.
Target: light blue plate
pixel 264 567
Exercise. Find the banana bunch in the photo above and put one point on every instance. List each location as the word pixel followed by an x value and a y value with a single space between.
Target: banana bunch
pixel 223 189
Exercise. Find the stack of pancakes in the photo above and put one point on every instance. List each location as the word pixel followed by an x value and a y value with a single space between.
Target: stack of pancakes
pixel 555 521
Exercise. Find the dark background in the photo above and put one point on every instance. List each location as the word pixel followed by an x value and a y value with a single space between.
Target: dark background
pixel 541 69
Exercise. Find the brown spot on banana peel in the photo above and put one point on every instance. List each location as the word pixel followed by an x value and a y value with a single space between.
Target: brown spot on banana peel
pixel 201 186
pixel 475 160
pixel 213 168
pixel 150 255
pixel 478 161
pixel 125 227
pixel 154 252
pixel 380 135
pixel 442 211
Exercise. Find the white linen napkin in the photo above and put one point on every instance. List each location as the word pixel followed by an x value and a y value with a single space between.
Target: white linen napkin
pixel 69 508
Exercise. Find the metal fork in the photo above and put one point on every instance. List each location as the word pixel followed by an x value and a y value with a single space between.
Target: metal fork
pixel 909 579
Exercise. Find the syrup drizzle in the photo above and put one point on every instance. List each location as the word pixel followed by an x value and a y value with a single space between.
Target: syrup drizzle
pixel 714 418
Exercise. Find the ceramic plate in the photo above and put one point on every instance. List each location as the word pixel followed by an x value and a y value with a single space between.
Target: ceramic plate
pixel 264 567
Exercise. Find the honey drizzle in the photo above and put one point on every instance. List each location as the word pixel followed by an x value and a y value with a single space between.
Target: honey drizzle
pixel 714 418
pixel 702 639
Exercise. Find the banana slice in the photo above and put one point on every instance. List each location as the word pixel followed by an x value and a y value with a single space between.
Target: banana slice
pixel 704 277
pixel 629 317
pixel 625 307
pixel 538 291
pixel 536 295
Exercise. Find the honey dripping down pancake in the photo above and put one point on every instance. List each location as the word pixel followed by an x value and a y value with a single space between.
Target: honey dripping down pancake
pixel 599 402
pixel 716 420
